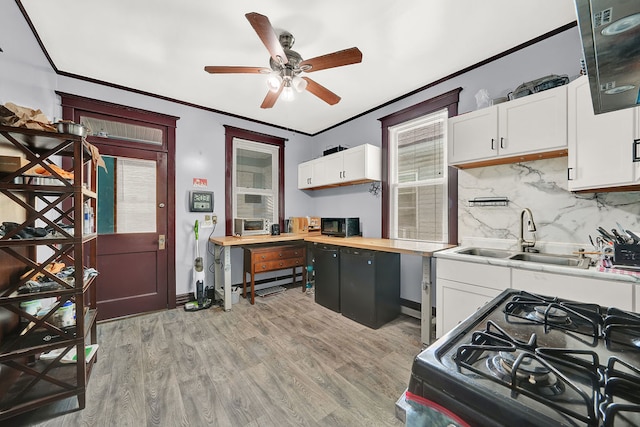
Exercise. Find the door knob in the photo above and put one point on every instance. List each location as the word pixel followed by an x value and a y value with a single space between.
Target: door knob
pixel 161 205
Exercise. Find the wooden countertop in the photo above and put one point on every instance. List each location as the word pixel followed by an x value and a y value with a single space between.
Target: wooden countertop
pixel 375 244
pixel 386 245
pixel 252 240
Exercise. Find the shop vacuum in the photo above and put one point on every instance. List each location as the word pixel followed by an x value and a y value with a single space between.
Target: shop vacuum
pixel 201 302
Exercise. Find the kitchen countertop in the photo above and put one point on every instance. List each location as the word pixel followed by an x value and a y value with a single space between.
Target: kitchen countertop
pixel 375 244
pixel 252 240
pixel 386 245
pixel 592 272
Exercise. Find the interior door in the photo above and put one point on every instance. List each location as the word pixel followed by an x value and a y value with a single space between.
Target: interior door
pixel 132 227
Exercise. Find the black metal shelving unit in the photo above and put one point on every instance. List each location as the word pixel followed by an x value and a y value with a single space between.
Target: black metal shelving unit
pixel 54 202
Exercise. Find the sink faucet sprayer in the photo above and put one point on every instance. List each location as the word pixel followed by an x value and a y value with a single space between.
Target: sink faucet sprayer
pixel 531 227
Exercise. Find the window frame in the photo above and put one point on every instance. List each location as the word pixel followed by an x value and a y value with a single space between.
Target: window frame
pixel 448 100
pixel 232 133
pixel 415 183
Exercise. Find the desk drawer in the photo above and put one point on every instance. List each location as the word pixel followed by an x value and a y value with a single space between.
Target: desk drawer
pixel 278 264
pixel 278 253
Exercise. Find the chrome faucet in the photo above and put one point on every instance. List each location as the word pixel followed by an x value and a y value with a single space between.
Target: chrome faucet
pixel 531 227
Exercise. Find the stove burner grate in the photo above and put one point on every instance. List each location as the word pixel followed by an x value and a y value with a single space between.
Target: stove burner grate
pixel 553 313
pixel 538 373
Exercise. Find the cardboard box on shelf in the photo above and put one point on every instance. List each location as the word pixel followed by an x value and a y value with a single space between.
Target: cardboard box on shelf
pixel 10 164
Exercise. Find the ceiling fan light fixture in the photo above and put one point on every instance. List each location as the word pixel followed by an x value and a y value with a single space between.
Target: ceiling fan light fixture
pixel 299 84
pixel 288 94
pixel 274 81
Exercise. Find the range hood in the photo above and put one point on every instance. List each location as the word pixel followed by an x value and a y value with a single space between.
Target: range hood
pixel 610 32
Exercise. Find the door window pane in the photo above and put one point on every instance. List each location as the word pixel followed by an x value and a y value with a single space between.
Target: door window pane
pixel 124 131
pixel 127 196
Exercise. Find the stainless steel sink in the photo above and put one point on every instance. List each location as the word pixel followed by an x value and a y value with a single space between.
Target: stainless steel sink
pixel 564 260
pixel 534 257
pixel 485 252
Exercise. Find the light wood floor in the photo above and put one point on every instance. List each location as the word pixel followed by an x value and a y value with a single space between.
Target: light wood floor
pixel 285 361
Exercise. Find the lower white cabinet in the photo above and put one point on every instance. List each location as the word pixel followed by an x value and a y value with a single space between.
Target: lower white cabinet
pixel 456 301
pixel 462 288
pixel 607 293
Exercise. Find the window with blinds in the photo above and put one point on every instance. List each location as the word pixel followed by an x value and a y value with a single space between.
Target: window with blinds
pixel 255 180
pixel 418 178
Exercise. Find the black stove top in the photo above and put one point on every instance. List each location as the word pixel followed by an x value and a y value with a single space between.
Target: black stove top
pixel 531 360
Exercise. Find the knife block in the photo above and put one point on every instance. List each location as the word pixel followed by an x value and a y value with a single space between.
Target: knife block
pixel 627 254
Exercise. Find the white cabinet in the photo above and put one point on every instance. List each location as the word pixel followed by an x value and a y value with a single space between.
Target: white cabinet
pixel 352 166
pixel 310 173
pixel 607 293
pixel 505 132
pixel 603 148
pixel 462 288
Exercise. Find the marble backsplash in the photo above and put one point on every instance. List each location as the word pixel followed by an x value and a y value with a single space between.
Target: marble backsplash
pixel 563 219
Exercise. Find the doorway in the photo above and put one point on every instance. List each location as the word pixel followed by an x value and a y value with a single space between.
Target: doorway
pixel 136 201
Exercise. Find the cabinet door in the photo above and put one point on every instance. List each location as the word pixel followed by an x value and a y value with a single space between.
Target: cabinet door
pixel 456 301
pixel 354 163
pixel 607 293
pixel 473 136
pixel 305 175
pixel 534 123
pixel 600 146
pixel 333 167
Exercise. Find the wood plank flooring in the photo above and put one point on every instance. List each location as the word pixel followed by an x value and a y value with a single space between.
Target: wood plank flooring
pixel 286 361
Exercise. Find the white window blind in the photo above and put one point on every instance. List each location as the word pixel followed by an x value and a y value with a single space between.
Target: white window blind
pixel 418 179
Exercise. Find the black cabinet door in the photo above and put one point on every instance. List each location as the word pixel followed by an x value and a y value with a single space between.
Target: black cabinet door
pixel 327 275
pixel 369 286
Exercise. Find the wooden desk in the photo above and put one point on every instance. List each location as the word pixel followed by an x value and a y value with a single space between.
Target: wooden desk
pixel 270 257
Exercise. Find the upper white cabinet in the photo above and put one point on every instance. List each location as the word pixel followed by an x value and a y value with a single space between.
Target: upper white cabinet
pixel 310 173
pixel 509 131
pixel 352 166
pixel 603 148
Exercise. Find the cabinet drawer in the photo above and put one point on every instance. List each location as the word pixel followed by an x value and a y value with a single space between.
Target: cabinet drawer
pixel 278 264
pixel 278 253
pixel 608 293
pixel 489 276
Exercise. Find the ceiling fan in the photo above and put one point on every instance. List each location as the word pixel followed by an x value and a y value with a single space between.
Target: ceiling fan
pixel 287 65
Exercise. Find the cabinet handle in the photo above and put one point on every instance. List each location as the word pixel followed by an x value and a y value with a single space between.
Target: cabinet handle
pixel 344 174
pixel 569 174
pixel 635 156
pixel 492 141
pixel 501 142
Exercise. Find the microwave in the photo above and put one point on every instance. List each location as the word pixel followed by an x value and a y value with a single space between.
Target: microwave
pixel 251 226
pixel 340 227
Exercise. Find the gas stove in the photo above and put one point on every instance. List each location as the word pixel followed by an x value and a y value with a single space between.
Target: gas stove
pixel 532 360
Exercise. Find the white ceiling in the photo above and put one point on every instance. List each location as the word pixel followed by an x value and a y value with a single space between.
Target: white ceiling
pixel 162 46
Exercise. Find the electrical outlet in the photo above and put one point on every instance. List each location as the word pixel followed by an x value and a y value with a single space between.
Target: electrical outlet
pixel 214 218
pixel 207 223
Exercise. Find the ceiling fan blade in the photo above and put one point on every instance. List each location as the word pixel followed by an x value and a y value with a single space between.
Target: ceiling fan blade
pixel 271 98
pixel 213 69
pixel 335 59
pixel 267 34
pixel 321 92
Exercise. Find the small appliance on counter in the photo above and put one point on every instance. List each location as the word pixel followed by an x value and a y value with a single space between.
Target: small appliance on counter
pixel 251 226
pixel 340 227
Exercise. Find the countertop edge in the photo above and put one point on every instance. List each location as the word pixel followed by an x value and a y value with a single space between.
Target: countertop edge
pixel 591 272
